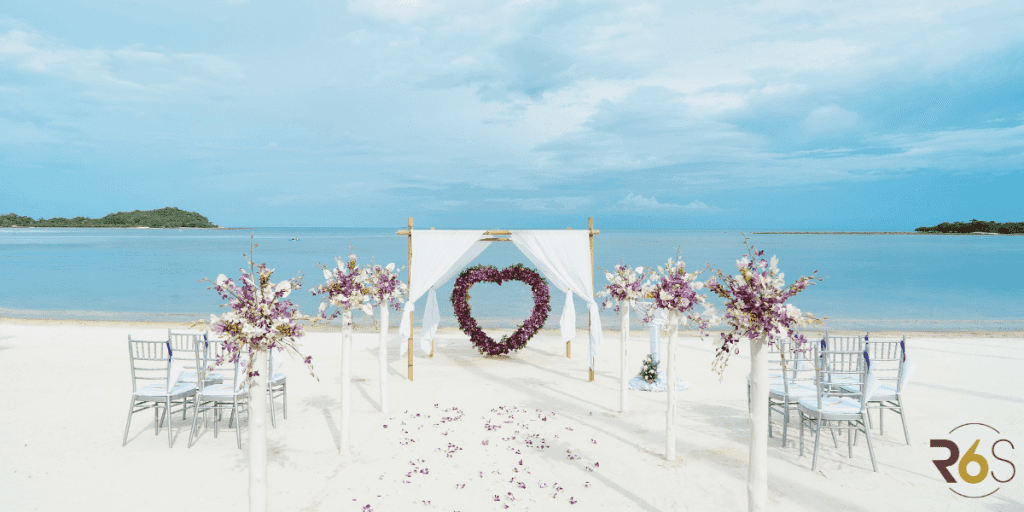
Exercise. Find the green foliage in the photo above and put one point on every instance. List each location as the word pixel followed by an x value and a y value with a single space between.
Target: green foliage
pixel 649 370
pixel 162 218
pixel 974 226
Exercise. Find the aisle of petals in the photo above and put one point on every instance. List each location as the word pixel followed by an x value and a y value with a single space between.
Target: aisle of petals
pixel 508 458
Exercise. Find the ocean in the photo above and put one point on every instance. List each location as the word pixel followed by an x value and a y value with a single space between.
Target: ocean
pixel 872 282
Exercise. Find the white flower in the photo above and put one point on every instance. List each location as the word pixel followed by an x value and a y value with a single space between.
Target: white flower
pixel 740 264
pixel 222 280
pixel 697 285
pixel 284 285
pixel 328 275
pixel 390 267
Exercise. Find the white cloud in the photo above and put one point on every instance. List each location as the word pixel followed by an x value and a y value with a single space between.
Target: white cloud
pixel 829 119
pixel 397 10
pixel 122 70
pixel 639 202
pixel 20 133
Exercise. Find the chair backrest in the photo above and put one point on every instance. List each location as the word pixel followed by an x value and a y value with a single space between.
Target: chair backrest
pixel 800 364
pixel 150 360
pixel 887 359
pixel 188 348
pixel 840 373
pixel 232 371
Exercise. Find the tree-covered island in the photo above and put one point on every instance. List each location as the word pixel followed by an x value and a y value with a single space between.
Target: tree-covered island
pixel 162 218
pixel 976 226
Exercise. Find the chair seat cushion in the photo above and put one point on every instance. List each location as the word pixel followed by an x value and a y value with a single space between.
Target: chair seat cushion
pixel 886 391
pixel 796 390
pixel 220 391
pixel 159 391
pixel 831 406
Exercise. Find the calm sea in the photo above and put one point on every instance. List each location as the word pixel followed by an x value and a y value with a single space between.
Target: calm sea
pixel 872 282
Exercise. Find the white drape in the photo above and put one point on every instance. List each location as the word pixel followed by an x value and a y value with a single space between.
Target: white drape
pixel 436 257
pixel 564 258
pixel 568 319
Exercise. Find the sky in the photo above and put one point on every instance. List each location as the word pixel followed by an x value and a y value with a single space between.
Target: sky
pixel 788 115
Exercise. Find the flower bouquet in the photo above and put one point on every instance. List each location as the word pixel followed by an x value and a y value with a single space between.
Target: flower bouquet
pixel 756 308
pixel 260 319
pixel 624 288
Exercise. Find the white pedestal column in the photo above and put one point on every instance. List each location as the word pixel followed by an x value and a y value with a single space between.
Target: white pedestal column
pixel 757 476
pixel 258 435
pixel 383 356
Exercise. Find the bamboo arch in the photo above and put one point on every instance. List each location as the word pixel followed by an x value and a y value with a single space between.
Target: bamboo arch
pixel 496 235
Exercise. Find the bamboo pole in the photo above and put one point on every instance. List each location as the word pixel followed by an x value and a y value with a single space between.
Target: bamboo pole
pixel 409 232
pixel 431 339
pixel 568 343
pixel 590 226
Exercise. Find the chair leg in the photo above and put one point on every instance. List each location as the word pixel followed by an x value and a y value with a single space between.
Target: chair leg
pixel 903 418
pixel 273 415
pixel 216 419
pixel 156 420
pixel 881 420
pixel 195 422
pixel 785 425
pixel 238 426
pixel 833 432
pixel 131 409
pixel 817 438
pixel 849 438
pixel 871 449
pixel 284 395
pixel 801 434
pixel 167 412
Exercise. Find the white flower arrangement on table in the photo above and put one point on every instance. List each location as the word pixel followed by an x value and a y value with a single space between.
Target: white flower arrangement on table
pixel 675 290
pixel 625 287
pixel 755 301
pixel 260 318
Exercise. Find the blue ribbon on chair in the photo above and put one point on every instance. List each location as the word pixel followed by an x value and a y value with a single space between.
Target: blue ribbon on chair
pixel 170 353
pixel 867 359
pixel 903 350
pixel 823 343
pixel 866 336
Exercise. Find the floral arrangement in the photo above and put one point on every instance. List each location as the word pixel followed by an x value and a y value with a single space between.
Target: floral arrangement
pixel 625 287
pixel 674 289
pixel 756 306
pixel 489 274
pixel 649 370
pixel 385 286
pixel 347 287
pixel 260 317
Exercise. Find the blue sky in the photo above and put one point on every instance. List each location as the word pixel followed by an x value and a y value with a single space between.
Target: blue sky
pixel 713 115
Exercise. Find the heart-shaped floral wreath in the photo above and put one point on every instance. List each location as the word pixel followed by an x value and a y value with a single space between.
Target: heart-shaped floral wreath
pixel 489 274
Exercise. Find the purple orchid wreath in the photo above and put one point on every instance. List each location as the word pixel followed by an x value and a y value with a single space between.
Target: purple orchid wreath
pixel 489 274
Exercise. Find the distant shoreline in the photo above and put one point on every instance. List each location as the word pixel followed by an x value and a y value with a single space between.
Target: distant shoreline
pixel 876 233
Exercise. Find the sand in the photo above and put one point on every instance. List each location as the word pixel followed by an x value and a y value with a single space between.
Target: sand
pixel 526 432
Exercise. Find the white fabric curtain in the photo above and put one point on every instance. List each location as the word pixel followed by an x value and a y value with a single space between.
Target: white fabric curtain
pixel 564 258
pixel 432 313
pixel 436 255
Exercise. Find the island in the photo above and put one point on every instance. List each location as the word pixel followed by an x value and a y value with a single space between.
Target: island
pixel 163 218
pixel 976 226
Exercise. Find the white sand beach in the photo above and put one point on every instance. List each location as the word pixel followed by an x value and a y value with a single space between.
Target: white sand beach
pixel 470 433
